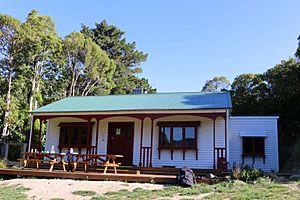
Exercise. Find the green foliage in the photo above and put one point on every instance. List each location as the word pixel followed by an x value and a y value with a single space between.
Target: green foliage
pixel 125 55
pixel 293 163
pixel 3 163
pixel 45 68
pixel 217 84
pixel 246 174
pixel 250 174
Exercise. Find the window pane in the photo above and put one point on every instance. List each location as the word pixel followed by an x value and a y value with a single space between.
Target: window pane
pixel 74 135
pixel 64 137
pixel 259 145
pixel 190 136
pixel 84 136
pixel 166 136
pixel 177 137
pixel 247 145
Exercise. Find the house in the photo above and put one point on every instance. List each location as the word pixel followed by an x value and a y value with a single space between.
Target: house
pixel 160 130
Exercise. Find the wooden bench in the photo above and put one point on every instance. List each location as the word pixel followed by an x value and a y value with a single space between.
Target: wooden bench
pixel 25 161
pixel 95 159
pixel 51 158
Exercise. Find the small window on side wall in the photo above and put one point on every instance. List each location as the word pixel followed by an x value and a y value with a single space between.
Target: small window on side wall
pixel 254 147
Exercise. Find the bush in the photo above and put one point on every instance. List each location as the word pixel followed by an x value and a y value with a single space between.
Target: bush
pixel 246 174
pixel 236 172
pixel 3 164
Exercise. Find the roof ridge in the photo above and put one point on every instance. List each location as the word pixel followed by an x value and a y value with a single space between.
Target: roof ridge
pixel 159 93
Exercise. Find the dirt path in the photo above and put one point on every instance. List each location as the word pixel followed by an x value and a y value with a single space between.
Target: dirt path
pixel 58 188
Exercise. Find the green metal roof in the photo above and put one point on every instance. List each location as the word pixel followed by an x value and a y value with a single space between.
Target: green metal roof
pixel 130 102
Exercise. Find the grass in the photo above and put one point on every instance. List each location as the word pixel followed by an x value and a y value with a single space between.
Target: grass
pixel 13 192
pixel 84 193
pixel 263 189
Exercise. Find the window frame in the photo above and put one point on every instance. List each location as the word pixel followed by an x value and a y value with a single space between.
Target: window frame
pixel 182 125
pixel 70 126
pixel 254 144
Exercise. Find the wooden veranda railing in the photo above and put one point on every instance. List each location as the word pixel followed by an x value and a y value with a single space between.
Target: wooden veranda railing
pixel 146 154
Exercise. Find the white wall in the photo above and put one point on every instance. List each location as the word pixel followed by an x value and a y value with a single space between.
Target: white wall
pixel 205 140
pixel 205 144
pixel 254 124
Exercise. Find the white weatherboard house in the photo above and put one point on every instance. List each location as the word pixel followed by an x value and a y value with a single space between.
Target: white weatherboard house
pixel 160 130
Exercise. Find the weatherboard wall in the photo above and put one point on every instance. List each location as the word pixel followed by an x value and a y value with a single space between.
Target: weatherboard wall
pixel 205 140
pixel 267 125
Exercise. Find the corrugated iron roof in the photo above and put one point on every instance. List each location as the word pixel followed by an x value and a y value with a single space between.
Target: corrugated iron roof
pixel 130 102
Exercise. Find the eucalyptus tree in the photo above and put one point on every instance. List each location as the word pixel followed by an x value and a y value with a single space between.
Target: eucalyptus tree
pixel 9 47
pixel 217 84
pixel 41 47
pixel 88 69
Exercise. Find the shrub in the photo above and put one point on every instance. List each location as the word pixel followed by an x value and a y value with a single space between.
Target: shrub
pixel 246 174
pixel 236 172
pixel 251 174
pixel 3 163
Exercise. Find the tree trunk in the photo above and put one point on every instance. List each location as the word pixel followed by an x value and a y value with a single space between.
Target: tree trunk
pixel 33 86
pixel 8 101
pixel 32 92
pixel 36 92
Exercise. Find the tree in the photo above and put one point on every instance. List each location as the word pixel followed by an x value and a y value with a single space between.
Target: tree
pixel 249 93
pixel 284 81
pixel 9 47
pixel 41 47
pixel 125 55
pixel 217 84
pixel 297 54
pixel 89 68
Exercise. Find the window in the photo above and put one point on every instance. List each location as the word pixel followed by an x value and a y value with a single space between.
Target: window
pixel 74 134
pixel 166 136
pixel 178 135
pixel 253 146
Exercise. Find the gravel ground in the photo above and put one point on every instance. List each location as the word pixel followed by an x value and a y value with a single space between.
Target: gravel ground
pixel 62 188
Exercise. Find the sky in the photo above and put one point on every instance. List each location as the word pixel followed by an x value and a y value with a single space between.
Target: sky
pixel 187 41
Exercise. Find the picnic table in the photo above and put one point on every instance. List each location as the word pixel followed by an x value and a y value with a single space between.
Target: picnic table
pixel 43 157
pixel 85 159
pixel 97 159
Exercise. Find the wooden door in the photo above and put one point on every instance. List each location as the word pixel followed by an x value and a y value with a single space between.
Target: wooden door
pixel 120 141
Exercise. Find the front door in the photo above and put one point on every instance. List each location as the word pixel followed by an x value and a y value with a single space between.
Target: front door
pixel 120 141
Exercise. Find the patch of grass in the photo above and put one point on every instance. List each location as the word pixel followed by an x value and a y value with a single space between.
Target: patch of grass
pixel 262 189
pixel 98 198
pixel 13 192
pixel 57 199
pixel 84 193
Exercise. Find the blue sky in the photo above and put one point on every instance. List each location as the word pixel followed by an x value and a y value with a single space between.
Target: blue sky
pixel 189 41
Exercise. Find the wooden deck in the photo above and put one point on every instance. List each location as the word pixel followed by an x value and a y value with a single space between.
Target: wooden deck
pixel 129 174
pixel 90 175
pixel 125 173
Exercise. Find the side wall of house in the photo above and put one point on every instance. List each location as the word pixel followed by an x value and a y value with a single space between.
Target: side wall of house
pixel 266 125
